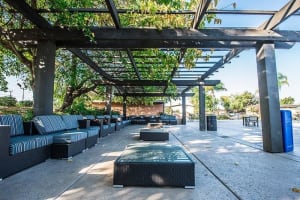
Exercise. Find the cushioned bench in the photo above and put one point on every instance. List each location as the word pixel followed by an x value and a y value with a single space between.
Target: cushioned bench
pixel 168 119
pixel 18 148
pixel 154 165
pixel 77 122
pixel 98 122
pixel 68 137
pixel 108 126
pixel 67 143
pixel 126 121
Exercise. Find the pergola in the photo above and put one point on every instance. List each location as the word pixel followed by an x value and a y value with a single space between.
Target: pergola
pixel 125 69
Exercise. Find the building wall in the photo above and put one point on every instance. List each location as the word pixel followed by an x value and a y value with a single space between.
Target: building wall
pixel 132 110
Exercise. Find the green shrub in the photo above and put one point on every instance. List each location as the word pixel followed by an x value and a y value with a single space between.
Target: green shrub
pixel 223 117
pixel 8 101
pixel 27 115
pixel 26 103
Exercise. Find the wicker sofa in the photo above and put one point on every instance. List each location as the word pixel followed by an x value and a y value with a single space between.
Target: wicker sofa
pixel 69 136
pixel 168 119
pixel 23 145
pixel 108 125
pixel 18 148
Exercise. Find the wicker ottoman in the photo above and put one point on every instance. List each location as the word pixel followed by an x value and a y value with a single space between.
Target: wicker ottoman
pixel 154 134
pixel 154 165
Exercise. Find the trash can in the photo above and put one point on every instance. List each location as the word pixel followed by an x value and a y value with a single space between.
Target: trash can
pixel 211 122
pixel 287 130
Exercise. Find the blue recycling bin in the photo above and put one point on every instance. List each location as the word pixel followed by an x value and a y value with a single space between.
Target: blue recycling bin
pixel 287 130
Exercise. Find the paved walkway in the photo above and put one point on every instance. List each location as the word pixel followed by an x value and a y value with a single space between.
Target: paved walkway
pixel 230 164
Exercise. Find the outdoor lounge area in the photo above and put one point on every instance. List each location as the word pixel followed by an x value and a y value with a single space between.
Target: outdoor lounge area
pixel 144 55
pixel 229 164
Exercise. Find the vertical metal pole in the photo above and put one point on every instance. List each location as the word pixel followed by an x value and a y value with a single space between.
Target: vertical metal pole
pixel 108 99
pixel 183 109
pixel 124 106
pixel 202 121
pixel 269 98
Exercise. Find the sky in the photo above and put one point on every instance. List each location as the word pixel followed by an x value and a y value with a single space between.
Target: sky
pixel 241 74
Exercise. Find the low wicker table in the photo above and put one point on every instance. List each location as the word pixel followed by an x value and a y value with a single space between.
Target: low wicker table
pixel 154 165
pixel 154 134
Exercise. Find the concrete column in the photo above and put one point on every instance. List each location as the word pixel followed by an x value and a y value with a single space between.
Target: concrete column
pixel 269 98
pixel 108 99
pixel 44 70
pixel 202 121
pixel 124 106
pixel 183 109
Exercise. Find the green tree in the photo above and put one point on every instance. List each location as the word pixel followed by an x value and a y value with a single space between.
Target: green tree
pixel 226 103
pixel 282 80
pixel 240 102
pixel 287 100
pixel 73 80
pixel 211 101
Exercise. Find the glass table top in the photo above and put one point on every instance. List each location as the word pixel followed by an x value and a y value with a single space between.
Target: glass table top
pixel 154 153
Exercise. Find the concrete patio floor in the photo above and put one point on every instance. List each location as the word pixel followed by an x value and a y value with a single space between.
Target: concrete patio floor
pixel 229 164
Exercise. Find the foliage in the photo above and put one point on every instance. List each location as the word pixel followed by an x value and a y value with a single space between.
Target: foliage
pixel 79 107
pixel 287 100
pixel 238 103
pixel 8 101
pixel 282 80
pixel 25 103
pixel 223 117
pixel 27 115
pixel 73 80
pixel 211 101
pixel 25 112
pixel 225 102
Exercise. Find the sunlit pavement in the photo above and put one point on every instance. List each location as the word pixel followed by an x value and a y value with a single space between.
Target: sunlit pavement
pixel 230 164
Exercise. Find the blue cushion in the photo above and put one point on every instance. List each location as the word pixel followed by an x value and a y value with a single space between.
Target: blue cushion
pixel 43 140
pixel 68 137
pixel 49 123
pixel 71 121
pixel 79 117
pixel 15 122
pixel 21 144
pixel 92 131
pixel 113 124
pixel 90 117
pixel 105 126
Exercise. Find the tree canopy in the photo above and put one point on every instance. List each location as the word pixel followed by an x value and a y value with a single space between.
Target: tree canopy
pixel 74 78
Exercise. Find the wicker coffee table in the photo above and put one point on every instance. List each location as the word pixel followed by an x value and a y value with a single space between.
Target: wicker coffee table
pixel 154 165
pixel 154 134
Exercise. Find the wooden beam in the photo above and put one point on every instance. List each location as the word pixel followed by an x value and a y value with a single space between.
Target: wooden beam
pixel 137 73
pixel 170 38
pixel 165 35
pixel 149 94
pixel 141 83
pixel 195 82
pixel 284 13
pixel 221 62
pixel 201 10
pixel 113 12
pixel 90 63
